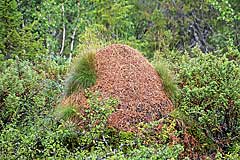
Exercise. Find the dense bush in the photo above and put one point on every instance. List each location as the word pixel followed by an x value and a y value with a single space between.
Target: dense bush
pixel 209 98
pixel 24 92
pixel 27 97
pixel 48 137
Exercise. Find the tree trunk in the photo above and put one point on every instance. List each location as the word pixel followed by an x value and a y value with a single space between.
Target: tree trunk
pixel 64 31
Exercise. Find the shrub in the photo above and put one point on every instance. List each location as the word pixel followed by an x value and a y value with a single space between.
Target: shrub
pixel 98 141
pixel 210 99
pixel 24 92
pixel 46 137
pixel 27 98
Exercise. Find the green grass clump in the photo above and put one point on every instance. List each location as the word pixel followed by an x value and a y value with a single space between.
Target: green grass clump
pixel 83 74
pixel 65 112
pixel 164 72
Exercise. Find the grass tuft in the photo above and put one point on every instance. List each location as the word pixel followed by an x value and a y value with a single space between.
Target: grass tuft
pixel 170 86
pixel 83 73
pixel 65 112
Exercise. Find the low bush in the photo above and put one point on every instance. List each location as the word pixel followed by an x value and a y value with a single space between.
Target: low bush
pixel 48 137
pixel 209 99
pixel 23 92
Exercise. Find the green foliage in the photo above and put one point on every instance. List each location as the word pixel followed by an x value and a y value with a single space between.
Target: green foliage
pixel 115 16
pixel 157 37
pixel 52 67
pixel 40 138
pixel 45 137
pixel 21 88
pixel 210 98
pixel 17 38
pixel 227 24
pixel 166 152
pixel 94 133
pixel 100 141
pixel 83 74
pixel 232 155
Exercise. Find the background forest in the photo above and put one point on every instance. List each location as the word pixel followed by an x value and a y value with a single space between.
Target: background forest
pixel 198 42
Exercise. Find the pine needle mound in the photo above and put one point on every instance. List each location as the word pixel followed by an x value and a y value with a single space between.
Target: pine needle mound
pixel 123 73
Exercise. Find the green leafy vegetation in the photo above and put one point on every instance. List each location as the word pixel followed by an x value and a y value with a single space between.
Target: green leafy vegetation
pixel 193 45
pixel 210 97
pixel 21 88
pixel 44 136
